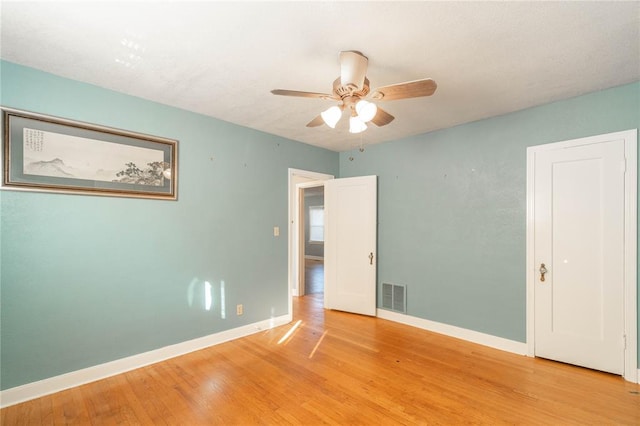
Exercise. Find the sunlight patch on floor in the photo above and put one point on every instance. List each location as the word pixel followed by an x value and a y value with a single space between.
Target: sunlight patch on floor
pixel 290 332
pixel 315 348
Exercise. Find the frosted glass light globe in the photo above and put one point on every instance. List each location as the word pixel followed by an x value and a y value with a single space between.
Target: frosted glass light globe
pixel 356 125
pixel 332 116
pixel 366 111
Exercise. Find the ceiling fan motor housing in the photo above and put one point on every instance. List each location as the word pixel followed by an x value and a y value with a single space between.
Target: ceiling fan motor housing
pixel 350 90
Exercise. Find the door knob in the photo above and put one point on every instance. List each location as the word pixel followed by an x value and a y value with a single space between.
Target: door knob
pixel 543 271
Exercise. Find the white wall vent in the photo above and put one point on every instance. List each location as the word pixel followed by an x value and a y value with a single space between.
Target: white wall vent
pixel 394 297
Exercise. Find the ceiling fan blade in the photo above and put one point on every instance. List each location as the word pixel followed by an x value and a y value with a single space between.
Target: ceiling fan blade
pixel 283 92
pixel 410 89
pixel 353 68
pixel 318 121
pixel 382 118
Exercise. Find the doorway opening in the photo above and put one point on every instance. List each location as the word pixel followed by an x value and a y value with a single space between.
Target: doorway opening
pixel 349 247
pixel 311 230
pixel 300 181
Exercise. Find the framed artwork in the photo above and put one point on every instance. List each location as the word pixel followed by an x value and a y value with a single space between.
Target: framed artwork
pixel 50 154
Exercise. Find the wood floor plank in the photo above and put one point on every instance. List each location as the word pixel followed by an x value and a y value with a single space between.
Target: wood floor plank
pixel 337 369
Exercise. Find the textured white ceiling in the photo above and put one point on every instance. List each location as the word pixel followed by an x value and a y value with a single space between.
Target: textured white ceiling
pixel 222 58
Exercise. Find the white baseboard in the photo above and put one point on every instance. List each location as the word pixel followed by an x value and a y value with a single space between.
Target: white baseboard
pixel 457 332
pixel 55 384
pixel 310 257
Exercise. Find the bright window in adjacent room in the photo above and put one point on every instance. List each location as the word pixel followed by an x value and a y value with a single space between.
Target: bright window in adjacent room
pixel 316 224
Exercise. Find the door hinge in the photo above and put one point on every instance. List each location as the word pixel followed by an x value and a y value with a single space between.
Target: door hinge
pixel 624 165
pixel 624 341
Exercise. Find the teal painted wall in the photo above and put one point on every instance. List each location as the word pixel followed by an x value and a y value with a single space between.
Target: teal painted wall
pixel 452 207
pixel 86 280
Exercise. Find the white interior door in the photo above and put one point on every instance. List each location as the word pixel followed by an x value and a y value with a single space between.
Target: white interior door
pixel 579 219
pixel 350 244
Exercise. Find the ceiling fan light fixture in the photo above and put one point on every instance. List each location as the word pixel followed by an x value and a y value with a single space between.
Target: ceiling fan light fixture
pixel 356 125
pixel 350 89
pixel 366 110
pixel 331 116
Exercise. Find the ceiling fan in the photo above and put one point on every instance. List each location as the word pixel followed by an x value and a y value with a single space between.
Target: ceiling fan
pixel 350 89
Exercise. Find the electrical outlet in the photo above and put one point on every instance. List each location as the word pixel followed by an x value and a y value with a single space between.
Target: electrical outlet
pixel 276 231
pixel 239 310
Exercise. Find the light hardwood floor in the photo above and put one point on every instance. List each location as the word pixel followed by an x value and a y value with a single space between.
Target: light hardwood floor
pixel 337 368
pixel 313 276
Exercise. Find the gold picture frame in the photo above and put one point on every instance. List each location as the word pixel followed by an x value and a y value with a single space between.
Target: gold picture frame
pixel 51 154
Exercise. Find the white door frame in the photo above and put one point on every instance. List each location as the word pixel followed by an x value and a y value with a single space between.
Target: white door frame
pixel 297 176
pixel 630 251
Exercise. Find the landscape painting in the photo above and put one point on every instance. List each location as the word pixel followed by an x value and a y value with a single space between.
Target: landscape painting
pixel 48 154
pixel 53 154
